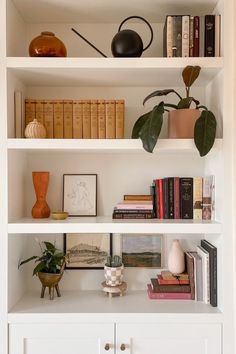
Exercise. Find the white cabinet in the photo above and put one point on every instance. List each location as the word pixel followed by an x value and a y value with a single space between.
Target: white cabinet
pixel 61 339
pixel 130 338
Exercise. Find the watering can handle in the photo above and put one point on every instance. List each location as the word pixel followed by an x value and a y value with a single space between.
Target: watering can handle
pixel 143 19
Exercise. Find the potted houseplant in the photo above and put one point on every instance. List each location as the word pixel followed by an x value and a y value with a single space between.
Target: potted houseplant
pixel 114 270
pixel 50 267
pixel 184 122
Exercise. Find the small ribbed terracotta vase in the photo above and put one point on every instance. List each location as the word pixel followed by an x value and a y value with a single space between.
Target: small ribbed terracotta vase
pixel 176 261
pixel 40 209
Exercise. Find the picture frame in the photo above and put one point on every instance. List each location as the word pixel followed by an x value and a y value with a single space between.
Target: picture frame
pixel 142 251
pixel 87 251
pixel 80 194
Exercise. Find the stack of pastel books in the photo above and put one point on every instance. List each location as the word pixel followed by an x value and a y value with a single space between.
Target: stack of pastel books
pixel 168 286
pixel 134 207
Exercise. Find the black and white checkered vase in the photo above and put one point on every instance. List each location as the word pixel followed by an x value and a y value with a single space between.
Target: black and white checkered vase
pixel 114 276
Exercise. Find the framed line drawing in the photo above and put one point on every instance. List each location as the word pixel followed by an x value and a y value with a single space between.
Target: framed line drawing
pixel 144 251
pixel 80 194
pixel 87 251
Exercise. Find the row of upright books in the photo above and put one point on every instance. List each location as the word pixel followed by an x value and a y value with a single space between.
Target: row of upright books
pixel 192 36
pixel 198 283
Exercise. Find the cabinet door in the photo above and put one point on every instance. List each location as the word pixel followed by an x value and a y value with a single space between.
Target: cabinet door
pixel 61 339
pixel 168 338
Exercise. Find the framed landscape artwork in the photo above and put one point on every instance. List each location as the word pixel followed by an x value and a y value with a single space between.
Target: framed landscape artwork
pixel 87 251
pixel 142 250
pixel 80 194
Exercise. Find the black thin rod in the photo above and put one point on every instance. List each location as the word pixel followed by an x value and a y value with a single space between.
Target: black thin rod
pixel 93 46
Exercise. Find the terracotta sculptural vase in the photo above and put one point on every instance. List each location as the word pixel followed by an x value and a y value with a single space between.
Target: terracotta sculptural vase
pixel 40 209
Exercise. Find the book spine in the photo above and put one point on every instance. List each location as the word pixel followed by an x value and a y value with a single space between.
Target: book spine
pixel 94 119
pixel 172 282
pixel 202 36
pixel 101 119
pixel 160 198
pixel 186 198
pixel 191 36
pixel 185 36
pixel 165 39
pixel 120 119
pixel 58 119
pixel 190 271
pixel 196 39
pixel 133 211
pixel 86 119
pixel 174 37
pixel 168 296
pixel 153 193
pixel 209 50
pixel 39 111
pixel 198 276
pixel 18 114
pixel 48 118
pixel 212 270
pixel 176 198
pixel 178 36
pixel 174 288
pixel 197 198
pixel 207 193
pixel 169 37
pixel 205 273
pixel 134 206
pixel 171 197
pixel 110 119
pixel 217 35
pixel 132 216
pixel 68 118
pixel 146 197
pixel 29 111
pixel 157 198
pixel 77 119
pixel 165 198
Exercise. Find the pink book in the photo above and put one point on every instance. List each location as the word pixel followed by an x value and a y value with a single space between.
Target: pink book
pixel 167 296
pixel 134 206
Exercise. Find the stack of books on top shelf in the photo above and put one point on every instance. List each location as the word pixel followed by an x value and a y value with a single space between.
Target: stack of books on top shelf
pixel 200 282
pixel 192 36
pixel 184 198
pixel 134 207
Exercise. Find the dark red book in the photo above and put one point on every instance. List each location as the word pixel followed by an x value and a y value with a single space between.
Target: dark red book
pixel 160 190
pixel 176 198
pixel 157 198
pixel 167 296
pixel 174 288
pixel 196 36
pixel 162 281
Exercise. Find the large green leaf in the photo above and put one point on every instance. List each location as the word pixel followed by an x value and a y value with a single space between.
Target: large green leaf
pixel 139 124
pixel 190 74
pixel 50 247
pixel 26 261
pixel 160 93
pixel 152 128
pixel 38 268
pixel 205 132
pixel 185 103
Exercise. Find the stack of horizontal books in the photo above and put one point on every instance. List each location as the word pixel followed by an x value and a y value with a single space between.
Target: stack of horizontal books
pixel 134 207
pixel 170 287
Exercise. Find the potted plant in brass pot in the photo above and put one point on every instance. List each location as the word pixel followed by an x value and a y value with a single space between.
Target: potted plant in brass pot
pixel 183 121
pixel 50 267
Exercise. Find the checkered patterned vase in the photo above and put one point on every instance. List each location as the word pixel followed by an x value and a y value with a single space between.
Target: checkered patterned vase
pixel 114 276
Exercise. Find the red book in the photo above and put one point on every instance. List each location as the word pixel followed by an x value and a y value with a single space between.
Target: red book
pixel 161 209
pixel 167 296
pixel 157 198
pixel 196 29
pixel 162 281
pixel 176 198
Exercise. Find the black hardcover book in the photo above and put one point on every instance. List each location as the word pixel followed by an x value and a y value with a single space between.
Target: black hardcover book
pixel 165 39
pixel 186 197
pixel 153 194
pixel 171 197
pixel 209 50
pixel 212 250
pixel 165 198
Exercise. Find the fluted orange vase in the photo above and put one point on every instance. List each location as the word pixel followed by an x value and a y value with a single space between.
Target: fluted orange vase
pixel 40 209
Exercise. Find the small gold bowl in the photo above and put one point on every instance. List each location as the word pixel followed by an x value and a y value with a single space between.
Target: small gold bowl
pixel 59 215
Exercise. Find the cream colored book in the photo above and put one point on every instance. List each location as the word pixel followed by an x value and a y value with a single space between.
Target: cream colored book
pixel 110 119
pixel 120 116
pixel 19 120
pixel 39 111
pixel 101 119
pixel 58 119
pixel 197 198
pixel 78 119
pixel 29 111
pixel 86 119
pixel 94 119
pixel 68 118
pixel 48 118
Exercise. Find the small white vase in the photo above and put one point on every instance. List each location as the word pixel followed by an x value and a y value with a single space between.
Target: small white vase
pixel 176 261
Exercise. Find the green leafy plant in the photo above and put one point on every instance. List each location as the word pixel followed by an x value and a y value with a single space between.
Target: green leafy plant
pixel 148 126
pixel 114 261
pixel 50 261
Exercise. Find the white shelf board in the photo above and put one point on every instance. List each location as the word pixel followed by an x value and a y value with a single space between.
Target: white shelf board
pixel 82 306
pixel 105 224
pixel 110 71
pixel 106 145
pixel 106 11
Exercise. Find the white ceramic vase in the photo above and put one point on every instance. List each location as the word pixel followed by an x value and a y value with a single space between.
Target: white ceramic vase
pixel 176 261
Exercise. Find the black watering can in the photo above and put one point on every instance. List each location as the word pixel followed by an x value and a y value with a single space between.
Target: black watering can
pixel 126 43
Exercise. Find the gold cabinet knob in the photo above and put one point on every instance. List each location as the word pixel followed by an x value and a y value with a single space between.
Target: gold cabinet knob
pixel 107 346
pixel 122 347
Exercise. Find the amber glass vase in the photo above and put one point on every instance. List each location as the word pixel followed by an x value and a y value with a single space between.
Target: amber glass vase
pixel 47 45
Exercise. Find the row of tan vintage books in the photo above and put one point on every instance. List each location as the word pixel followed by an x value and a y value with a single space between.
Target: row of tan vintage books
pixel 72 119
pixel 199 282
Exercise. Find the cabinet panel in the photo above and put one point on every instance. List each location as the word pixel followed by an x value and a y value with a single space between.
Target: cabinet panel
pixel 61 339
pixel 169 339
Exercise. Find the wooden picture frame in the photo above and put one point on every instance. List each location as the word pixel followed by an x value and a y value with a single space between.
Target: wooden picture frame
pixel 80 194
pixel 87 251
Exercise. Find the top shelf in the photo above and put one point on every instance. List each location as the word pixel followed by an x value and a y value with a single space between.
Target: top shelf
pixel 105 11
pixel 110 71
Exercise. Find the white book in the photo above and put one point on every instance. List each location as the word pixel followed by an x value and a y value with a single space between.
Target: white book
pixel 217 35
pixel 205 273
pixel 169 36
pixel 19 117
pixel 185 36
pixel 208 198
pixel 197 276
